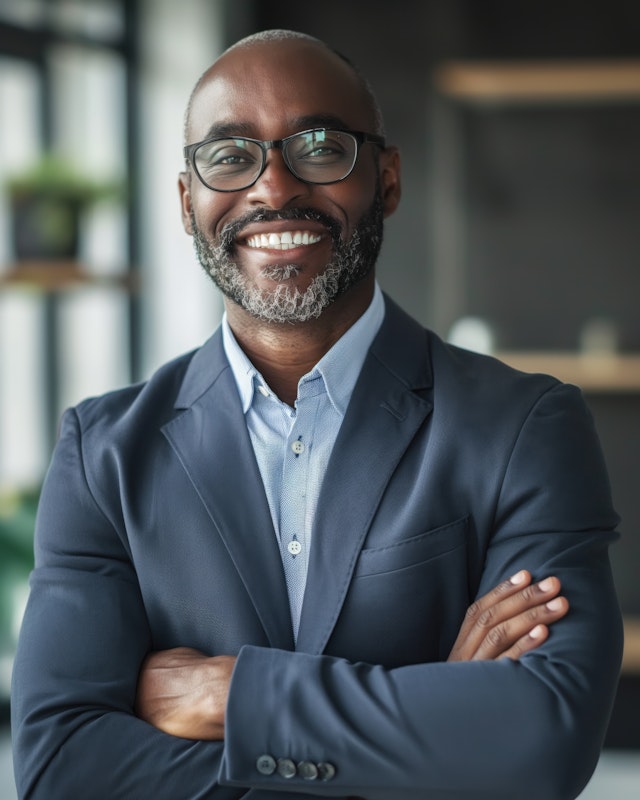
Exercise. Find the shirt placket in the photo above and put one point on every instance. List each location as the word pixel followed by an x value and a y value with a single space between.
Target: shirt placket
pixel 295 534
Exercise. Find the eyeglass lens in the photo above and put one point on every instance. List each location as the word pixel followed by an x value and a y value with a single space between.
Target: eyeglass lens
pixel 319 156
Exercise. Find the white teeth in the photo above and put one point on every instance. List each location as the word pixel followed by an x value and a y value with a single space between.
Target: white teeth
pixel 283 241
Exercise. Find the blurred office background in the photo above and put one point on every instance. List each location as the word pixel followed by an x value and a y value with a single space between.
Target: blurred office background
pixel 519 126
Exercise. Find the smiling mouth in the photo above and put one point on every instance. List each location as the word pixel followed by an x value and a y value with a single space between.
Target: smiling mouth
pixel 287 240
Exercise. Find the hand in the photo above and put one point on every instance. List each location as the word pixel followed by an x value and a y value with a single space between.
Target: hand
pixel 184 693
pixel 510 620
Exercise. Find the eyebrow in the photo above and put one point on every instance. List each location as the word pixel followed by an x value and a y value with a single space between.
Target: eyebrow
pixel 227 130
pixel 320 121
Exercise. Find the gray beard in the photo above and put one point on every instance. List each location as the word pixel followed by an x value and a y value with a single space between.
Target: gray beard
pixel 352 261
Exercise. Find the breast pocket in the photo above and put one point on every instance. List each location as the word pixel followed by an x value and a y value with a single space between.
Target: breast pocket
pixel 414 551
pixel 406 600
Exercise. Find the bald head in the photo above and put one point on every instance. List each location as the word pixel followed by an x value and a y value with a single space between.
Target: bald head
pixel 264 44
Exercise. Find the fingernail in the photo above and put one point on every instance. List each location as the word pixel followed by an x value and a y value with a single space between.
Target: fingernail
pixel 537 632
pixel 555 605
pixel 518 578
pixel 546 585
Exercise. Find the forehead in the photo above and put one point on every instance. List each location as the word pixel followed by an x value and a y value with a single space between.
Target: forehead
pixel 268 89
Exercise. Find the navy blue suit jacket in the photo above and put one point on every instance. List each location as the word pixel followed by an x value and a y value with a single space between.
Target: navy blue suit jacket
pixel 451 472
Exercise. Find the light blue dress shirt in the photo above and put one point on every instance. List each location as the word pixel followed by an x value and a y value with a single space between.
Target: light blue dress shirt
pixel 293 445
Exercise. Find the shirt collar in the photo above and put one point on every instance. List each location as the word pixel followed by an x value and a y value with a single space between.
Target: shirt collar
pixel 339 367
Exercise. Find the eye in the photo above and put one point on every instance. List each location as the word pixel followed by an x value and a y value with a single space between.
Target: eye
pixel 321 146
pixel 226 155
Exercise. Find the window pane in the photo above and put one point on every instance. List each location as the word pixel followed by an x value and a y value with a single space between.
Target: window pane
pixel 99 19
pixel 23 12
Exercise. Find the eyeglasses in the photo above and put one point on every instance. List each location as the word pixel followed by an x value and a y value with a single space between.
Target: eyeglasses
pixel 315 156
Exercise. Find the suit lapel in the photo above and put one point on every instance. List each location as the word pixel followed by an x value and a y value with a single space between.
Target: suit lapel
pixel 384 414
pixel 211 440
pixel 390 402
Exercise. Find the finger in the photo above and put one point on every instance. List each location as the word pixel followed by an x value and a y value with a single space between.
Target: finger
pixel 505 635
pixel 507 600
pixel 511 606
pixel 525 644
pixel 484 618
pixel 503 590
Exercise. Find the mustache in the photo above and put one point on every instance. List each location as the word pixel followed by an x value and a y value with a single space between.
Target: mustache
pixel 231 230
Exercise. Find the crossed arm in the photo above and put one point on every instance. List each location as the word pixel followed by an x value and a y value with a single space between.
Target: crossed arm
pixel 184 692
pixel 86 632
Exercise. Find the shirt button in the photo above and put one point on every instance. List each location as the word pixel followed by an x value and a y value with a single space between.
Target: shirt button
pixel 294 547
pixel 297 447
pixel 266 765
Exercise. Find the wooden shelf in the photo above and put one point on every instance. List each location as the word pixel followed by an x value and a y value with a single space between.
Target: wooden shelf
pixel 631 657
pixel 596 373
pixel 539 81
pixel 54 276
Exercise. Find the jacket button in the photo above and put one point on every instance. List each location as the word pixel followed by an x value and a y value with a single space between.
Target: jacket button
pixel 307 770
pixel 286 768
pixel 326 771
pixel 266 765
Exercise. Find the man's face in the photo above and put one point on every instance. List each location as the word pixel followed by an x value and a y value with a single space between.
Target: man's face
pixel 283 249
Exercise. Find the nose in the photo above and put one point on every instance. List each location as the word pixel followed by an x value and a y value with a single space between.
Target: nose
pixel 277 187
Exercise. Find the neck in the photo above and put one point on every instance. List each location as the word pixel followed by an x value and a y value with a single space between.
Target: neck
pixel 284 352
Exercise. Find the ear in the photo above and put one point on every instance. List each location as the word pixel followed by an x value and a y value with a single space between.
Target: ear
pixel 184 184
pixel 390 179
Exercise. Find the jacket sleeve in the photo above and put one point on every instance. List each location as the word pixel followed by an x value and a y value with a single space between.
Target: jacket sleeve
pixel 465 731
pixel 83 639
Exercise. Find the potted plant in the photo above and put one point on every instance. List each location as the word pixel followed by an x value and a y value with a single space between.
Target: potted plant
pixel 47 201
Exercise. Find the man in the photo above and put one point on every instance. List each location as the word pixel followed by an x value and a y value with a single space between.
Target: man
pixel 253 572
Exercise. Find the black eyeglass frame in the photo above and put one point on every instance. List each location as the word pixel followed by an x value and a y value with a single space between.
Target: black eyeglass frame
pixel 281 144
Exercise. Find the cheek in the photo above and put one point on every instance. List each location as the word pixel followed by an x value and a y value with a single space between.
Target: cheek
pixel 355 195
pixel 212 210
